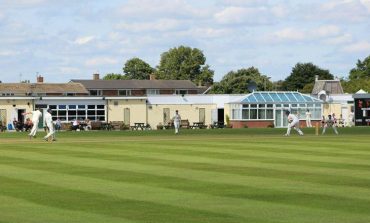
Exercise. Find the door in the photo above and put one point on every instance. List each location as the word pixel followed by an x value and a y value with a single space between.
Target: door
pixel 345 115
pixel 166 116
pixel 281 120
pixel 20 116
pixel 220 115
pixel 42 108
pixel 126 116
pixel 214 116
pixel 202 115
pixel 3 120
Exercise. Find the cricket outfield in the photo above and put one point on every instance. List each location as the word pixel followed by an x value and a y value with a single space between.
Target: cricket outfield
pixel 207 175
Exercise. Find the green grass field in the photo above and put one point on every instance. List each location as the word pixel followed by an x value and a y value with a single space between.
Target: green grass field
pixel 230 175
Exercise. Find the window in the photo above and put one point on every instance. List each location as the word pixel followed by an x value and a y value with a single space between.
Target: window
pixel 152 91
pixel 68 113
pixel 124 92
pixel 181 92
pixel 96 92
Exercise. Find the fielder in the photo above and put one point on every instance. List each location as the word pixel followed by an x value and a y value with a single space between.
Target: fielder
pixel 35 121
pixel 293 123
pixel 330 122
pixel 49 123
pixel 176 121
pixel 308 118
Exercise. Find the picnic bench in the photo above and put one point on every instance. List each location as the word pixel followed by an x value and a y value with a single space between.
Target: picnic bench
pixel 199 125
pixel 218 125
pixel 141 126
pixel 116 125
pixel 183 124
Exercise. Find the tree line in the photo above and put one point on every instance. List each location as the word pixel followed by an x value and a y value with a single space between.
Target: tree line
pixel 186 63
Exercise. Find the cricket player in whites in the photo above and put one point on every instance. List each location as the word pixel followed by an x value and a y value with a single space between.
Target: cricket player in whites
pixel 176 121
pixel 330 122
pixel 49 123
pixel 293 123
pixel 36 115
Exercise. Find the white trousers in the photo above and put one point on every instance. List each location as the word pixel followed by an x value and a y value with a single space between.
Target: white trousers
pixel 34 128
pixel 294 125
pixel 177 126
pixel 308 122
pixel 51 130
pixel 334 128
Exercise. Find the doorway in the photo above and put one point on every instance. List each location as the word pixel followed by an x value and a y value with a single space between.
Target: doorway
pixel 281 119
pixel 126 116
pixel 220 115
pixel 20 115
pixel 202 115
pixel 166 116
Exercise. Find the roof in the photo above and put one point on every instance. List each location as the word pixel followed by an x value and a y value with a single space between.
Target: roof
pixel 329 86
pixel 27 88
pixel 366 96
pixel 218 99
pixel 137 84
pixel 277 97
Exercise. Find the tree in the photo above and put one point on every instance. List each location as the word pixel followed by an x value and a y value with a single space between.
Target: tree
pixel 137 69
pixel 237 82
pixel 361 71
pixel 303 74
pixel 113 76
pixel 184 63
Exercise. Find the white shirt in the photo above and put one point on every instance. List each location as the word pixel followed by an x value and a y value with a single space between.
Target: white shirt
pixel 292 118
pixel 177 118
pixel 308 115
pixel 48 118
pixel 75 123
pixel 36 115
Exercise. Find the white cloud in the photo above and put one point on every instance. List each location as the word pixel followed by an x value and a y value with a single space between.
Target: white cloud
pixel 366 3
pixel 7 53
pixel 288 34
pixel 159 25
pixel 159 8
pixel 101 61
pixel 84 40
pixel 300 34
pixel 363 46
pixel 260 15
pixel 69 70
pixel 341 10
pixel 341 39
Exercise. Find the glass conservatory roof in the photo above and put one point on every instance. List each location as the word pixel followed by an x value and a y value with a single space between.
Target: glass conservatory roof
pixel 278 97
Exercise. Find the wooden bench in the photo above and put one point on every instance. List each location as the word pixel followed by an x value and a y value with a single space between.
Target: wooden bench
pixel 199 125
pixel 185 124
pixel 218 125
pixel 96 125
pixel 116 125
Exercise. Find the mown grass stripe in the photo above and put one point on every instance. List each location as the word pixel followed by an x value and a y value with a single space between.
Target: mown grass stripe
pixel 238 207
pixel 31 212
pixel 324 202
pixel 210 176
pixel 105 205
pixel 154 156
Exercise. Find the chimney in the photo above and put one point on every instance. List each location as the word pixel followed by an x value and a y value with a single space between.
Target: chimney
pixel 152 77
pixel 96 77
pixel 316 77
pixel 40 79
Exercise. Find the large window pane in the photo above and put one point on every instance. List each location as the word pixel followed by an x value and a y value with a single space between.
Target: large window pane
pixel 253 114
pixel 269 114
pixel 245 114
pixel 261 114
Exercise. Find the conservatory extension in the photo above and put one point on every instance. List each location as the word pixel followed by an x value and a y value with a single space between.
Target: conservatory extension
pixel 267 109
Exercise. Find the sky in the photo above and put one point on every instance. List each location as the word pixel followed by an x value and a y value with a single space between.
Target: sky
pixel 72 39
